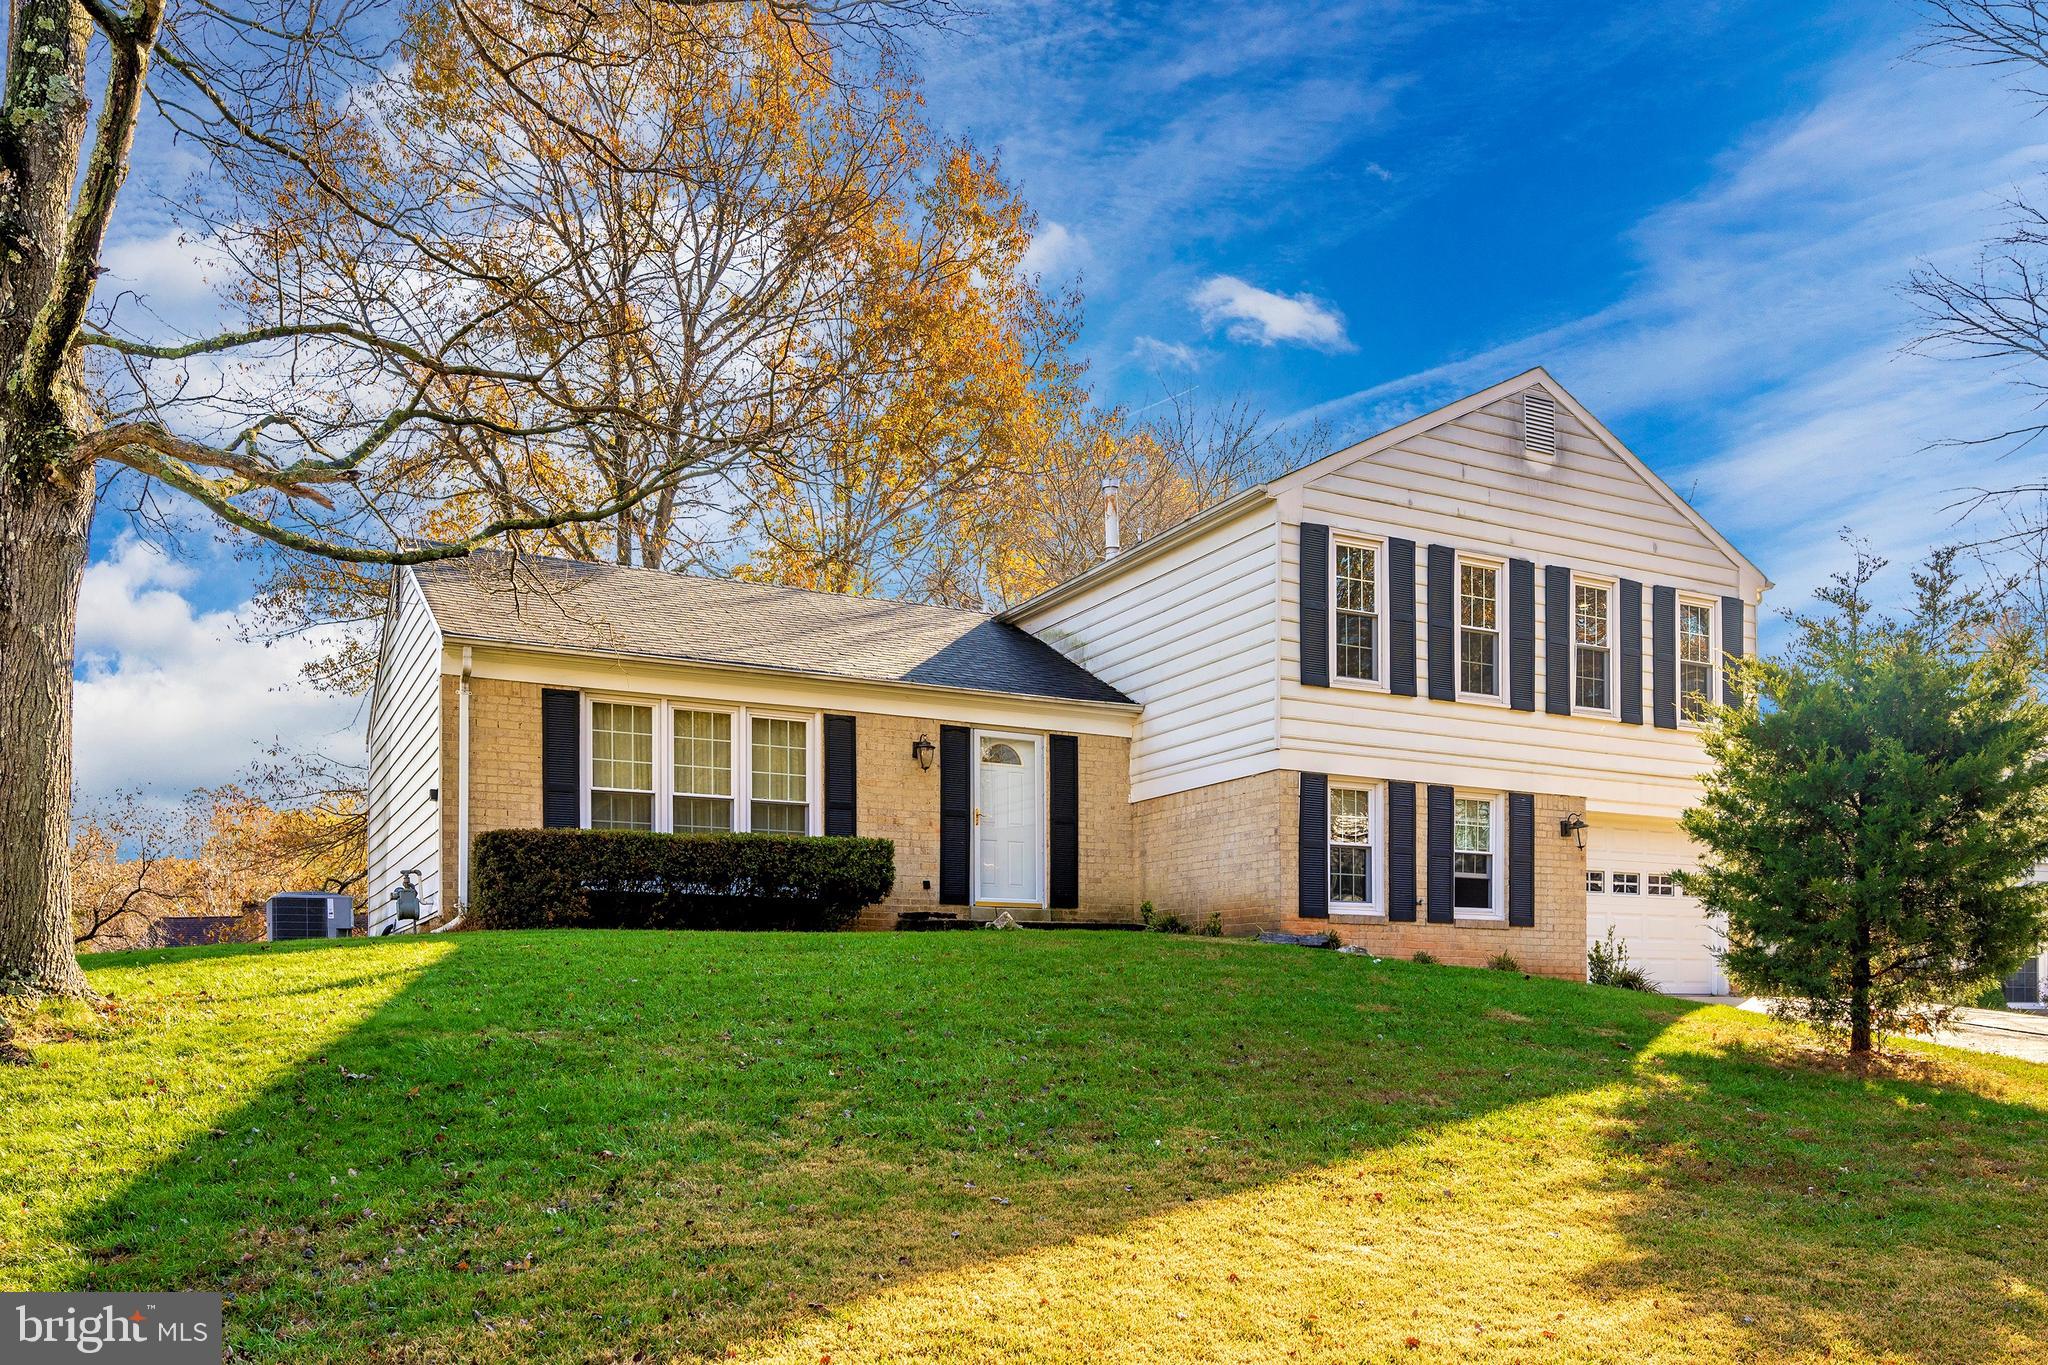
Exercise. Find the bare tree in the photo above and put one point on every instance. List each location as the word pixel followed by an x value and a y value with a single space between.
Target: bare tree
pixel 390 324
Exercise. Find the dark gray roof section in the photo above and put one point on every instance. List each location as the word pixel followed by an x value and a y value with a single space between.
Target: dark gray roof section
pixel 572 605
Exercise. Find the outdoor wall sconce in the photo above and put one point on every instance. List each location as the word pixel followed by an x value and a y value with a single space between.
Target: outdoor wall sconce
pixel 923 751
pixel 1573 827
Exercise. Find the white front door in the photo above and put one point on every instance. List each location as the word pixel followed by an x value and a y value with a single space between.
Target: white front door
pixel 1006 819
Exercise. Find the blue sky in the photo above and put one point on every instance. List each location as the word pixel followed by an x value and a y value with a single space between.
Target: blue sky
pixel 1696 216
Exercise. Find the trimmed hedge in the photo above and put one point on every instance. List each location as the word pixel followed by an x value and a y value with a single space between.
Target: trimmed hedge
pixel 629 879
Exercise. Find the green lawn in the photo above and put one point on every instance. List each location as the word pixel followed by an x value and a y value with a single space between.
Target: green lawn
pixel 1024 1145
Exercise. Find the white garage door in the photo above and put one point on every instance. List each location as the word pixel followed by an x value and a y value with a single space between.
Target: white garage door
pixel 1629 889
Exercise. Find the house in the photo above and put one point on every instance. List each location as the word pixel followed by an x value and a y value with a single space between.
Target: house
pixel 1432 693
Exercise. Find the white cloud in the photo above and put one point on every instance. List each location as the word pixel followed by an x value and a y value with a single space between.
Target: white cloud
pixel 1176 354
pixel 172 271
pixel 1258 316
pixel 169 698
pixel 1057 252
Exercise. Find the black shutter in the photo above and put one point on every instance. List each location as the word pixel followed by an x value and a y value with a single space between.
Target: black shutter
pixel 1315 605
pixel 1732 624
pixel 561 758
pixel 1063 882
pixel 1521 860
pixel 1313 866
pixel 841 781
pixel 1440 814
pixel 1401 617
pixel 1401 852
pixel 956 816
pixel 1664 657
pixel 1557 639
pixel 1521 635
pixel 1628 681
pixel 1443 672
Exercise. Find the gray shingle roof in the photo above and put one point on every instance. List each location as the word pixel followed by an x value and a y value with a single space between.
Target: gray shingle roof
pixel 645 613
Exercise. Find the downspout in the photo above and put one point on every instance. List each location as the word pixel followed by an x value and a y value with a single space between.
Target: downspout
pixel 462 787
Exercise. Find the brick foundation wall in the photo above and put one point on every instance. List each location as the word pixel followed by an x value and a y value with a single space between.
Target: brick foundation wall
pixel 1226 849
pixel 897 799
pixel 1230 849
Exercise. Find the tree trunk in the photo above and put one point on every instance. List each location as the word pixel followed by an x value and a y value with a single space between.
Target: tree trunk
pixel 1859 992
pixel 43 543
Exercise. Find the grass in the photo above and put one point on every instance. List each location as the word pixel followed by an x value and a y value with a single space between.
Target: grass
pixel 1003 1146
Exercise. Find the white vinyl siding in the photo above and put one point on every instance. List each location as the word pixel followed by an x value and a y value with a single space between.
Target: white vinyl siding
pixel 405 743
pixel 1466 483
pixel 1193 636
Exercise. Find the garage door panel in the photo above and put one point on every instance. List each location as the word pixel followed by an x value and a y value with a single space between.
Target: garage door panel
pixel 1669 936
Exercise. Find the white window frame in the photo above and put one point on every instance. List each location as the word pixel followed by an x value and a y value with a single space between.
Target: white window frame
pixel 1634 885
pixel 1378 547
pixel 1375 827
pixel 1496 859
pixel 742 760
pixel 1713 610
pixel 1499 568
pixel 1612 589
pixel 589 785
pixel 1659 884
pixel 1596 881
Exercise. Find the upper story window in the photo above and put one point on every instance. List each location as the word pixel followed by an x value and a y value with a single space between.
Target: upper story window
pixel 1479 629
pixel 1695 659
pixel 1351 845
pixel 1591 650
pixel 1357 598
pixel 1474 862
pixel 621 766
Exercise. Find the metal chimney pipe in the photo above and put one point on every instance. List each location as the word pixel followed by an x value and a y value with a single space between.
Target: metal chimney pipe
pixel 1112 529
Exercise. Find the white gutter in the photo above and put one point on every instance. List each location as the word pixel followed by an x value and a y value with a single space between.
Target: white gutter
pixel 462 787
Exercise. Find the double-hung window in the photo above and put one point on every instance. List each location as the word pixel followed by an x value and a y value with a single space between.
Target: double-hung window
pixel 781 776
pixel 702 800
pixel 1357 624
pixel 1590 646
pixel 1474 859
pixel 1351 848
pixel 726 769
pixel 621 766
pixel 1479 629
pixel 1695 659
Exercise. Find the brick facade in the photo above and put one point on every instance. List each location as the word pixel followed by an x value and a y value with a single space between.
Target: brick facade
pixel 1226 849
pixel 1230 849
pixel 897 799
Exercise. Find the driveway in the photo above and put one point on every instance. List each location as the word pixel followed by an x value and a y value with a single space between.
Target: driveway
pixel 2011 1033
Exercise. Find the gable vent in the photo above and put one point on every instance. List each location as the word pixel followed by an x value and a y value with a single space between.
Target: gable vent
pixel 1539 423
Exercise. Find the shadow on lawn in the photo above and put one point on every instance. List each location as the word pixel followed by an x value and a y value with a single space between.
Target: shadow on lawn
pixel 581 1145
pixel 1816 1210
pixel 649 1141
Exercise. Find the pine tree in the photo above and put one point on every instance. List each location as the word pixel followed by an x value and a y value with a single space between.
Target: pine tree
pixel 1877 809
